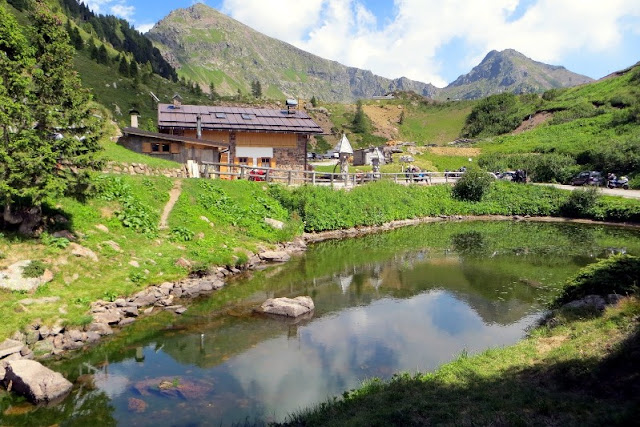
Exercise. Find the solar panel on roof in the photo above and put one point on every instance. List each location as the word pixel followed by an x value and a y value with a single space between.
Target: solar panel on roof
pixel 221 116
pixel 247 116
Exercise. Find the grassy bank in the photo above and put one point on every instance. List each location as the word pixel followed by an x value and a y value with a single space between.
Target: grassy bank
pixel 579 368
pixel 213 223
pixel 321 208
pixel 220 223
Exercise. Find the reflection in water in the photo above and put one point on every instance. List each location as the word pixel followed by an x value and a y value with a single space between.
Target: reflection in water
pixel 408 300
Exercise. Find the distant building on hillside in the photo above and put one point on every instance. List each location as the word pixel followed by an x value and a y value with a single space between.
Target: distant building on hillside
pixel 364 156
pixel 242 136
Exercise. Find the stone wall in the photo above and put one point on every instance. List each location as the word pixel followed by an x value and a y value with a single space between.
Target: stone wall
pixel 142 169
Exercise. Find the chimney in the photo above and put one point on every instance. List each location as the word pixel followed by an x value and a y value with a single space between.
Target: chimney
pixel 134 118
pixel 199 126
pixel 177 101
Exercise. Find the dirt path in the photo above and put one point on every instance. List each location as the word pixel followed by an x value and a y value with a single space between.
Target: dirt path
pixel 174 194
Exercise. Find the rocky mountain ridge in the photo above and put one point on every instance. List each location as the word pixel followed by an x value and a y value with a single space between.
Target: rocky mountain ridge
pixel 207 47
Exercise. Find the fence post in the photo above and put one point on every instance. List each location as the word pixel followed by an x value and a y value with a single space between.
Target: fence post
pixel 313 177
pixel 332 180
pixel 289 178
pixel 242 172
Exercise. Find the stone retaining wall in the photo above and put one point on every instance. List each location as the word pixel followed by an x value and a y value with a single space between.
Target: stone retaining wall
pixel 142 169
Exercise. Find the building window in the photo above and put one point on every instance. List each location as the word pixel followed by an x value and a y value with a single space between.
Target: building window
pixel 160 148
pixel 243 160
pixel 265 162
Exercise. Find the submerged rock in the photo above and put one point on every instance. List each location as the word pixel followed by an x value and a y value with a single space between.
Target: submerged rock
pixel 289 307
pixel 36 382
pixel 275 256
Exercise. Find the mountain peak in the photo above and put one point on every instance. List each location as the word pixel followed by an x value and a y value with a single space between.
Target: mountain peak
pixel 511 71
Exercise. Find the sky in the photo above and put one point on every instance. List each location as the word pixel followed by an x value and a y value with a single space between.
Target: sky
pixel 433 41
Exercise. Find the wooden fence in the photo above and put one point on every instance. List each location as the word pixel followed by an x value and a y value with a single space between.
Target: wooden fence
pixel 300 177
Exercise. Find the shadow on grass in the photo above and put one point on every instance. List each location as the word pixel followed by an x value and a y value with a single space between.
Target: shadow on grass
pixel 588 391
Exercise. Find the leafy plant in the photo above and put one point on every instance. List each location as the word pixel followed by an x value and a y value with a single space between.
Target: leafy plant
pixel 56 242
pixel 110 296
pixel 472 186
pixel 181 234
pixel 34 269
pixel 136 276
pixel 580 202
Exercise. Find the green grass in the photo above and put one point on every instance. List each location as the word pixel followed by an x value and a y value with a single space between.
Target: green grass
pixel 236 214
pixel 434 123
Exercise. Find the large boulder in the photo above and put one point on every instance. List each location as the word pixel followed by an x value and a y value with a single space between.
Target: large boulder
pixel 274 256
pixel 36 382
pixel 289 307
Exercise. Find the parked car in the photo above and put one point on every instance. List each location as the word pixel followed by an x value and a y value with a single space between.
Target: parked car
pixel 588 178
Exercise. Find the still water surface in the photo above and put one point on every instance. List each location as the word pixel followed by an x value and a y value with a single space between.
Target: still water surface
pixel 407 300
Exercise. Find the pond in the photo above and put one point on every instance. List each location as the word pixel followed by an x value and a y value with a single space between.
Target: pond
pixel 407 300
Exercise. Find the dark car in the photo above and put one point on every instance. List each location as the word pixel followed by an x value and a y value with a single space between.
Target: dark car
pixel 588 178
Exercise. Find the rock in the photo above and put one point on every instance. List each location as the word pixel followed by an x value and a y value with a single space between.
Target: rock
pixel 3 370
pixel 205 219
pixel 74 335
pixel 36 382
pixel 99 328
pixel 57 328
pixel 11 278
pixel 134 263
pixel 113 245
pixel 19 336
pixel 64 234
pixel 108 317
pixel 9 346
pixel 81 251
pixel 287 306
pixel 126 321
pixel 32 337
pixel 120 302
pixel 274 256
pixel 278 225
pixel 613 299
pixel 180 310
pixel 130 311
pixel 148 310
pixel 44 347
pixel 590 301
pixel 93 337
pixel 184 263
pixel 144 300
pixel 102 228
pixel 137 405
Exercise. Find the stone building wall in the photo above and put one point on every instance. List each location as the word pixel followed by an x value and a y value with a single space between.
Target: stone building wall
pixel 142 169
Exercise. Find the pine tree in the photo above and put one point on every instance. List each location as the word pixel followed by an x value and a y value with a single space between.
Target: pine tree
pixel 103 55
pixel 212 92
pixel 55 157
pixel 123 68
pixel 256 89
pixel 133 69
pixel 359 123
pixel 314 101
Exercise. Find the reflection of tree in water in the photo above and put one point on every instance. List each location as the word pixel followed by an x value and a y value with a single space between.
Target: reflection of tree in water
pixel 470 243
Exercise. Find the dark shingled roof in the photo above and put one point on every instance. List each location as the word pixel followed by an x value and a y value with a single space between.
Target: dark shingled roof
pixel 236 119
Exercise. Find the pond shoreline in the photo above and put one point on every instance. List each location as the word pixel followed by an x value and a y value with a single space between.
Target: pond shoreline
pixel 41 342
pixel 362 231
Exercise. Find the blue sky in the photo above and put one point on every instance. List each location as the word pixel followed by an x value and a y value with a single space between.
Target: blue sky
pixel 430 40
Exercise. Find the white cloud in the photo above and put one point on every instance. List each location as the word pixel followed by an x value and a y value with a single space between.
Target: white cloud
pixel 143 28
pixel 123 11
pixel 408 43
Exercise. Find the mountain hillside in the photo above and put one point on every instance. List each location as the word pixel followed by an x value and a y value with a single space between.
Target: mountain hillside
pixel 510 71
pixel 207 47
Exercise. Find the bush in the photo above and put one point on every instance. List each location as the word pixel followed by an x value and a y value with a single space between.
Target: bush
pixel 580 203
pixel 34 269
pixel 494 115
pixel 618 274
pixel 545 167
pixel 472 186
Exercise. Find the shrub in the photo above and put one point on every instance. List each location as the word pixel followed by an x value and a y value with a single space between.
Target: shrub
pixel 181 234
pixel 618 274
pixel 34 269
pixel 580 202
pixel 56 242
pixel 494 115
pixel 472 186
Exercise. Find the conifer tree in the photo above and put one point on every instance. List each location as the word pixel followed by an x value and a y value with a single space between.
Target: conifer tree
pixel 103 55
pixel 133 69
pixel 123 68
pixel 39 87
pixel 360 124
